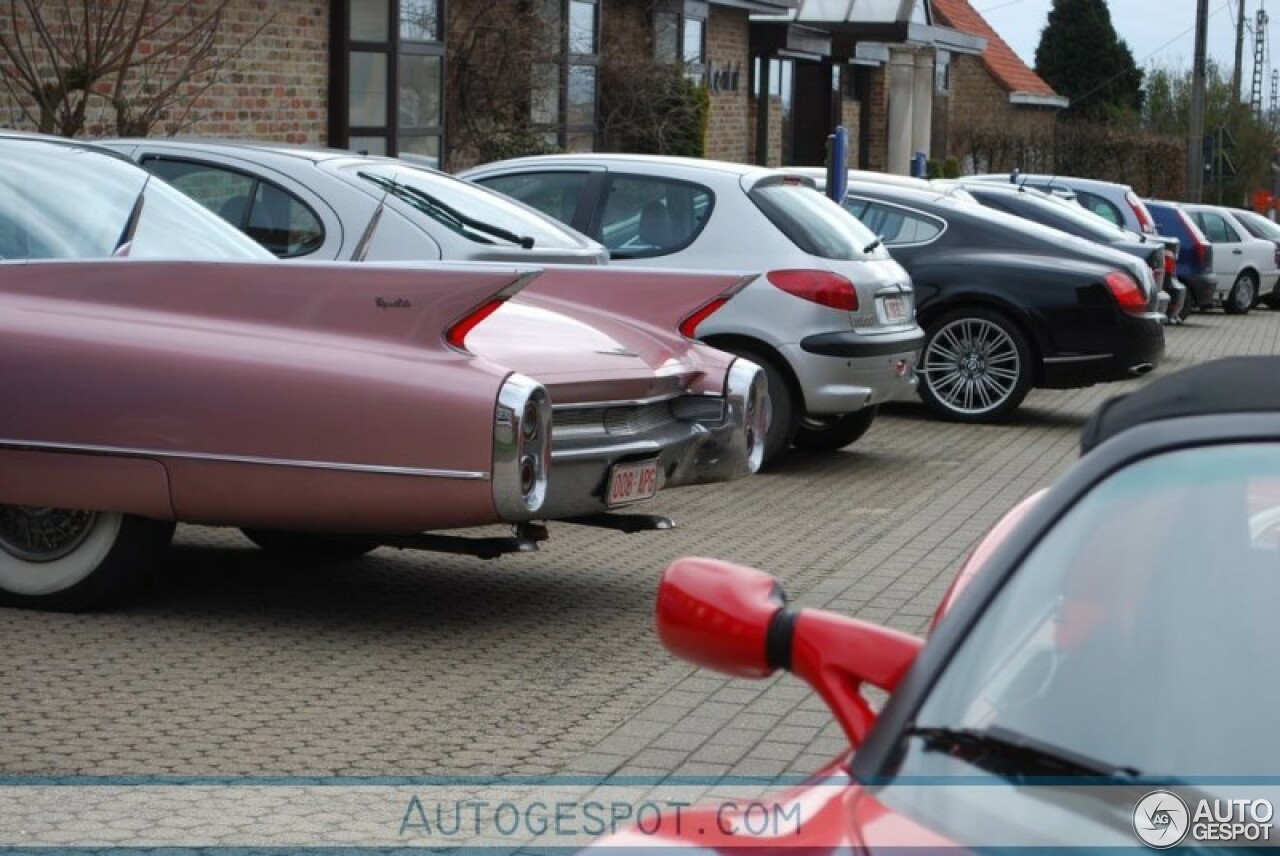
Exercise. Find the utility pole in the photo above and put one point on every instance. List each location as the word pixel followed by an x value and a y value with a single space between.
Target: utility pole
pixel 1237 73
pixel 1195 135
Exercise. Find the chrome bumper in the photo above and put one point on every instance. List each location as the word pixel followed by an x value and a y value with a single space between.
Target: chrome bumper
pixel 696 439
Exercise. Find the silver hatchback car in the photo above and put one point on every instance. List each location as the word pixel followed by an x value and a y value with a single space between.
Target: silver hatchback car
pixel 830 316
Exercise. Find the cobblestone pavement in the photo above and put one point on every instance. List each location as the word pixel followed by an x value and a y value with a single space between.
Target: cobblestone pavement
pixel 418 664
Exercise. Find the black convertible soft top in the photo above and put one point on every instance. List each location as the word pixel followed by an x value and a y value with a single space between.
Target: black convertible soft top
pixel 1231 385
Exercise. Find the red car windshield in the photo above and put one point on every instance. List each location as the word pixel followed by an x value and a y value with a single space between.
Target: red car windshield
pixel 1139 626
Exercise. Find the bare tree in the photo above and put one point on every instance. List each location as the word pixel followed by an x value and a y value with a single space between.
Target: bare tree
pixel 126 64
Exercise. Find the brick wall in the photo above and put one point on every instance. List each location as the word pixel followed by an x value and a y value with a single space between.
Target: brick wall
pixel 877 154
pixel 851 118
pixel 774 141
pixel 976 101
pixel 276 88
pixel 730 129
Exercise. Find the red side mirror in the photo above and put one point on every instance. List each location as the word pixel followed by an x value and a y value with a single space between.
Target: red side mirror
pixel 717 614
pixel 733 619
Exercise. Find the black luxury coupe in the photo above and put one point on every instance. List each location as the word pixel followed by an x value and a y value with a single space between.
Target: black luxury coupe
pixel 1007 304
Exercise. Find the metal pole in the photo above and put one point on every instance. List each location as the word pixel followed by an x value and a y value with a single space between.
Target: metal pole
pixel 1195 134
pixel 1237 71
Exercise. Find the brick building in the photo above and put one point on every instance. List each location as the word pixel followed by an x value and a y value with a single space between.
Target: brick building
pixel 994 89
pixel 451 82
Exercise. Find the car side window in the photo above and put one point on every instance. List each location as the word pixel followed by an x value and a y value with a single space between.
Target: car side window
pixel 276 219
pixel 898 226
pixel 1215 228
pixel 1100 206
pixel 556 194
pixel 646 217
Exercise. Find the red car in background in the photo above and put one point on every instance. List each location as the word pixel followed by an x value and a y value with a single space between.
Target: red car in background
pixel 1088 656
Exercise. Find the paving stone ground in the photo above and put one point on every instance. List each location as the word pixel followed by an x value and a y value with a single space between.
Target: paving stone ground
pixel 407 663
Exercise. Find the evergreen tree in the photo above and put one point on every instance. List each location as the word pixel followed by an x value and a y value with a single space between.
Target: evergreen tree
pixel 1081 57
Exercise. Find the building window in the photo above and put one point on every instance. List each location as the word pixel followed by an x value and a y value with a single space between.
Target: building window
pixel 564 84
pixel 680 35
pixel 388 87
pixel 942 71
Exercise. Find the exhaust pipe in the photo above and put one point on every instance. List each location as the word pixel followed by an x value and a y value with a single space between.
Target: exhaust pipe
pixel 1141 369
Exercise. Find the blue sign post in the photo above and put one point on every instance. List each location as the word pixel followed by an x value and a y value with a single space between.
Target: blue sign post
pixel 838 164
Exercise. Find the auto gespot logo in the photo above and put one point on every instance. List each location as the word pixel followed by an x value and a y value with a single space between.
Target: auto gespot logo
pixel 1162 819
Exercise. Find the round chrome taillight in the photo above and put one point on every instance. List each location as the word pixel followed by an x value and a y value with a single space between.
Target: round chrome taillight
pixel 528 475
pixel 522 448
pixel 529 421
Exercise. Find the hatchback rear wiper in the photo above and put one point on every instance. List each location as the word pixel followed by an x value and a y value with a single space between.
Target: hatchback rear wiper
pixel 124 242
pixel 1012 755
pixel 434 207
pixel 871 246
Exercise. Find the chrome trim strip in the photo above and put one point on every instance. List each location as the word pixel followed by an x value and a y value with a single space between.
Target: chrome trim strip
pixel 373 469
pixel 634 402
pixel 1083 359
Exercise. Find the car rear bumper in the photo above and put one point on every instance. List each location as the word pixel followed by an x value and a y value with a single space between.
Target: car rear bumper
pixel 1137 348
pixel 693 439
pixel 847 371
pixel 1201 285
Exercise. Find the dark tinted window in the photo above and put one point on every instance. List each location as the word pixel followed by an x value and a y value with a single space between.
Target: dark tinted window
pixel 897 226
pixel 645 217
pixel 815 224
pixel 277 220
pixel 556 194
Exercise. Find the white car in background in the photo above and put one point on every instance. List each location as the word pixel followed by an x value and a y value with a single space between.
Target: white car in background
pixel 1251 265
pixel 831 317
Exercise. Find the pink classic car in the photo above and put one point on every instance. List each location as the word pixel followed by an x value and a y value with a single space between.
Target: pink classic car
pixel 323 408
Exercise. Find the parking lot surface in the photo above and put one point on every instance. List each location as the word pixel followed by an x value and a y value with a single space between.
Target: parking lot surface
pixel 412 664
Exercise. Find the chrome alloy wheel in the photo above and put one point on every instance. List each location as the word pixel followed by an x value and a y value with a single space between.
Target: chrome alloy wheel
pixel 41 535
pixel 972 365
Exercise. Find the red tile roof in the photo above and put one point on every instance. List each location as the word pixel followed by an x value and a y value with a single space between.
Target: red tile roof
pixel 1009 71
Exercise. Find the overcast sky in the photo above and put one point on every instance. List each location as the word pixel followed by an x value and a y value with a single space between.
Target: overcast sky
pixel 1159 31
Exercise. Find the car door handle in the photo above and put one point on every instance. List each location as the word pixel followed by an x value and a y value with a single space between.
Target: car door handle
pixel 1237 252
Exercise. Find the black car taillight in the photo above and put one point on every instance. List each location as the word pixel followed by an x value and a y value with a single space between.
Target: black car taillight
pixel 1126 292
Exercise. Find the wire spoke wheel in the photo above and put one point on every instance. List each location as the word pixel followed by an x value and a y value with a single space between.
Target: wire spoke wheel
pixel 41 535
pixel 975 367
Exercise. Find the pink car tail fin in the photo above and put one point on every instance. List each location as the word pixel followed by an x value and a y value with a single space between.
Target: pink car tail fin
pixel 667 300
pixel 426 306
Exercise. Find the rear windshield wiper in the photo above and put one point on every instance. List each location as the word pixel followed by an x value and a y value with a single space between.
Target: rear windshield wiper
pixel 451 216
pixel 1012 755
pixel 871 246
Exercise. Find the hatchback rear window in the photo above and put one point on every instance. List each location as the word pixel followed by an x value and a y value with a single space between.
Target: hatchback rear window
pixel 815 224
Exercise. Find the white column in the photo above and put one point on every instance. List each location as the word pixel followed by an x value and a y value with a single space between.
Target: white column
pixel 922 106
pixel 901 115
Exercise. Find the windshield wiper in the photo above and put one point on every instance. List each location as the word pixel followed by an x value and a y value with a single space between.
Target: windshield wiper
pixel 871 246
pixel 1012 755
pixel 429 205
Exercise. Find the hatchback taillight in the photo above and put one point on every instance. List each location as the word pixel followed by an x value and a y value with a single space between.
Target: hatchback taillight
pixel 1170 263
pixel 1140 211
pixel 1126 292
pixel 817 286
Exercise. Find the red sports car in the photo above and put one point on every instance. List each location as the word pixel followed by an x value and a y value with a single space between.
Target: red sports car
pixel 1102 672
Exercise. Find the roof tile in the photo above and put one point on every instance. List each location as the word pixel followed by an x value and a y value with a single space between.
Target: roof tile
pixel 1005 66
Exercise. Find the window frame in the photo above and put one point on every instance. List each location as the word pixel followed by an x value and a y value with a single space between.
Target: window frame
pixel 255 180
pixel 342 46
pixel 596 225
pixel 905 211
